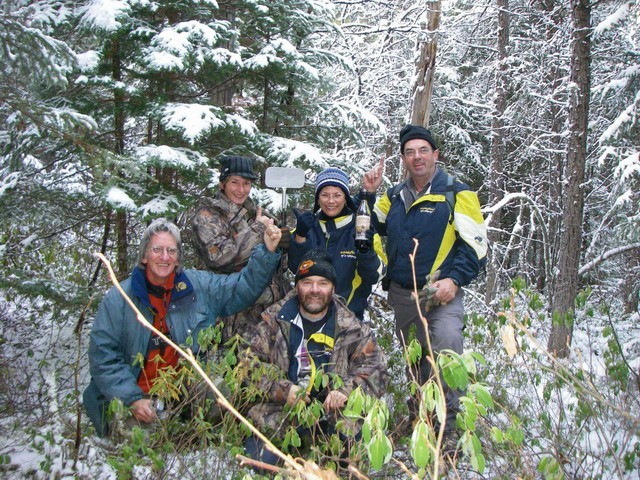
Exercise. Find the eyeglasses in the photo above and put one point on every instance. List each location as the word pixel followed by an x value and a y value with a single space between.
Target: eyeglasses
pixel 411 153
pixel 171 251
pixel 327 196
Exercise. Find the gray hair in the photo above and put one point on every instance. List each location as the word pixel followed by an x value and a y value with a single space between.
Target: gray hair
pixel 160 225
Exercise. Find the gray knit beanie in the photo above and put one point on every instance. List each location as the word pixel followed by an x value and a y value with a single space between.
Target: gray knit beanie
pixel 241 166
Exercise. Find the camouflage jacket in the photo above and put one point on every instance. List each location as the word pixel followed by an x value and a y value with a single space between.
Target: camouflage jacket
pixel 224 234
pixel 356 356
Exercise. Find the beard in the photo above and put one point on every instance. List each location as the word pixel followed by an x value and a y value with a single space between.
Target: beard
pixel 314 303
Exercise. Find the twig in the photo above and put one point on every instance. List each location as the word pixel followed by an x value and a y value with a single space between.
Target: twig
pixel 431 360
pixel 263 466
pixel 405 469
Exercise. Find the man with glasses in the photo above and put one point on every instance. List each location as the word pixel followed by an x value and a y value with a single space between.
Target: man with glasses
pixel 444 216
pixel 308 334
pixel 180 303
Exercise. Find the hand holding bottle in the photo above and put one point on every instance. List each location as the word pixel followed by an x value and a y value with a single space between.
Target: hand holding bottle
pixel 363 225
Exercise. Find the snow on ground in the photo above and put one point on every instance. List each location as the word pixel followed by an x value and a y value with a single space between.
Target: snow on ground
pixel 41 359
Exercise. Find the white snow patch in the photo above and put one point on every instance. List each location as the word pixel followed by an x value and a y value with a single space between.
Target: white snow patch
pixel 9 182
pixel 88 60
pixel 191 119
pixel 118 198
pixel 628 167
pixel 616 17
pixel 104 14
pixel 29 240
pixel 171 156
pixel 289 152
pixel 159 205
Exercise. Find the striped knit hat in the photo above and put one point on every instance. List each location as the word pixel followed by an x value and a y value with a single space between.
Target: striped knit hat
pixel 333 177
pixel 241 166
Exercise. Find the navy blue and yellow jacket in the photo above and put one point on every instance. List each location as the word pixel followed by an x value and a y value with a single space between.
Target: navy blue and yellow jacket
pixel 457 248
pixel 356 272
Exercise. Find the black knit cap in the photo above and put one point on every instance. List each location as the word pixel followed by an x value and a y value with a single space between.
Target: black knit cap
pixel 411 132
pixel 241 166
pixel 316 262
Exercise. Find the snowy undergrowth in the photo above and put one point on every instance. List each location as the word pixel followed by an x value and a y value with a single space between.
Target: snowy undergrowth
pixel 577 418
pixel 580 417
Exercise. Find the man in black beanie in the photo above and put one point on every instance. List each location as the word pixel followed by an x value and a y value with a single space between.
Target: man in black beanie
pixel 444 216
pixel 311 332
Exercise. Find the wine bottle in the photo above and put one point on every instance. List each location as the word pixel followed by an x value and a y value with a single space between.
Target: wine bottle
pixel 363 223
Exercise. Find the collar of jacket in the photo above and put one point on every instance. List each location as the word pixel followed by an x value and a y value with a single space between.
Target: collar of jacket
pixel 181 286
pixel 336 223
pixel 290 313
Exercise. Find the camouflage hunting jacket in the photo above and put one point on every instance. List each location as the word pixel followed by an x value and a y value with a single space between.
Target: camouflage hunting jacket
pixel 224 234
pixel 356 356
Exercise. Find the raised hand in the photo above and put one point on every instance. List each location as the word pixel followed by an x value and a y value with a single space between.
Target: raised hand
pixel 305 222
pixel 272 235
pixel 263 219
pixel 372 179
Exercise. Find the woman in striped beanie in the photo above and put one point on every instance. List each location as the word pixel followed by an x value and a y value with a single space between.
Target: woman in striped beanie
pixel 331 226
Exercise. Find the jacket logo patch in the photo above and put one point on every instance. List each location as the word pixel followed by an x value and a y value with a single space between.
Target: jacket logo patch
pixel 426 209
pixel 180 286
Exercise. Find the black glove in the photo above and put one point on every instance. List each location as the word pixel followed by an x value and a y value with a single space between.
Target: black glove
pixel 304 222
pixel 283 244
pixel 369 234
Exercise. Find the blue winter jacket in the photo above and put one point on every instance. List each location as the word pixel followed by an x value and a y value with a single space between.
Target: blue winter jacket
pixel 197 299
pixel 453 242
pixel 356 272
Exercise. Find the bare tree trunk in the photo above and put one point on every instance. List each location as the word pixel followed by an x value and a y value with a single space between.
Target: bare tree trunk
pixel 555 166
pixel 222 94
pixel 566 288
pixel 119 136
pixel 496 175
pixel 630 288
pixel 425 67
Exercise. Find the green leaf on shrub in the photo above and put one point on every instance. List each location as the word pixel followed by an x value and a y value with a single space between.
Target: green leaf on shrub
pixel 414 352
pixel 453 370
pixel 473 449
pixel 355 404
pixel 421 446
pixel 430 395
pixel 482 395
pixel 497 435
pixel 379 450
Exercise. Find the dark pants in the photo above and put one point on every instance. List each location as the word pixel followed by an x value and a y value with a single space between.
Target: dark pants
pixel 257 450
pixel 445 323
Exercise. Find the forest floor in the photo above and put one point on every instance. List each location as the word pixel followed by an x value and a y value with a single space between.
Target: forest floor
pixel 582 414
